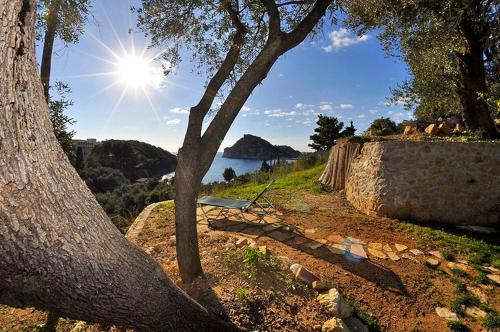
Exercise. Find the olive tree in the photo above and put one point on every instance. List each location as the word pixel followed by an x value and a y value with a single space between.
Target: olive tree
pixel 449 47
pixel 235 43
pixel 58 249
pixel 63 19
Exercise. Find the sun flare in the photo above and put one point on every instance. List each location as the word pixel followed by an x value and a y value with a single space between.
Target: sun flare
pixel 137 71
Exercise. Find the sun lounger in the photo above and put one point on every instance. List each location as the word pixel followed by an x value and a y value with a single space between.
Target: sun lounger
pixel 260 202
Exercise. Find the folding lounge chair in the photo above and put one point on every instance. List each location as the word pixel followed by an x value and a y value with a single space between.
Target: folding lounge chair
pixel 243 206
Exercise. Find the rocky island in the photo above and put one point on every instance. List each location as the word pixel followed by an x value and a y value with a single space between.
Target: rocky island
pixel 254 147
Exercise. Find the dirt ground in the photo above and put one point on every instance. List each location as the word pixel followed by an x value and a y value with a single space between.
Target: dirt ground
pixel 400 295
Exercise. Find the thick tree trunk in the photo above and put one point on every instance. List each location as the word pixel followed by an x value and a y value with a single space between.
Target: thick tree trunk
pixel 186 194
pixel 48 45
pixel 476 112
pixel 58 249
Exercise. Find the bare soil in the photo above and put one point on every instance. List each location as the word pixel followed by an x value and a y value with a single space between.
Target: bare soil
pixel 399 295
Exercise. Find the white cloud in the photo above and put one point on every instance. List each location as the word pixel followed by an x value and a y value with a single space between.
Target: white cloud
pixel 278 113
pixel 246 109
pixel 373 111
pixel 326 107
pixel 302 106
pixel 179 110
pixel 361 116
pixel 173 122
pixel 346 106
pixel 400 116
pixel 343 38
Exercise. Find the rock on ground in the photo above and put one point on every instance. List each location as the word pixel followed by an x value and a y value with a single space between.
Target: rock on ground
pixel 335 303
pixel 334 325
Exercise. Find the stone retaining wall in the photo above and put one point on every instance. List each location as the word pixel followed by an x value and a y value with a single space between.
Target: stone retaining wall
pixel 448 182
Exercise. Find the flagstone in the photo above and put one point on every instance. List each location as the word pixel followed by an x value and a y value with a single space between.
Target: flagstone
pixel 338 249
pixel 324 241
pixel 335 238
pixel 354 240
pixel 387 248
pixel 375 245
pixel 416 252
pixel 409 257
pixel 400 247
pixel 271 227
pixel 314 245
pixel 357 251
pixel 310 231
pixel 377 253
pixel 393 256
pixel 436 254
pixel 299 240
pixel 280 236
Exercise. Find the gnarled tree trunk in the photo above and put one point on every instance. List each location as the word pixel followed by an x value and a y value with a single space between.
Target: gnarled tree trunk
pixel 476 112
pixel 58 249
pixel 48 45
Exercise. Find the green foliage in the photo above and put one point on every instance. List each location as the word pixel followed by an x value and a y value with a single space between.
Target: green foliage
pixel 102 179
pixel 61 121
pixel 457 326
pixel 205 31
pixel 70 19
pixel 229 174
pixel 327 132
pixel 365 317
pixel 244 295
pixel 133 158
pixel 382 127
pixel 492 320
pixel 427 36
pixel 478 251
pixel 448 255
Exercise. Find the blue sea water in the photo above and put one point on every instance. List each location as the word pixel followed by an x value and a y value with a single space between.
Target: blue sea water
pixel 240 166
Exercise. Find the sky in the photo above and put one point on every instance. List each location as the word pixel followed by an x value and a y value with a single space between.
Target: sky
pixel 338 74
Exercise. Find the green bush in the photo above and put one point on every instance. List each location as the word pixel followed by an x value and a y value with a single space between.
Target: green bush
pixel 382 127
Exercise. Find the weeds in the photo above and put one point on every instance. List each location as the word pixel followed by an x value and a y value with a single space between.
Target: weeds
pixel 460 273
pixel 457 326
pixel 492 320
pixel 244 295
pixel 365 317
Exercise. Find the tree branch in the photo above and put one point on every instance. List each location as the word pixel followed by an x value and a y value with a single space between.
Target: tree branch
pixel 274 18
pixel 296 36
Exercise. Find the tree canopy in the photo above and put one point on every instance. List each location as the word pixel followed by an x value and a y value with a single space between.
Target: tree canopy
pixel 450 48
pixel 328 131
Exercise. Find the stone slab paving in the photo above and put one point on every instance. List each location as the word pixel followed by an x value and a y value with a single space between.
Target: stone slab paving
pixel 377 253
pixel 357 251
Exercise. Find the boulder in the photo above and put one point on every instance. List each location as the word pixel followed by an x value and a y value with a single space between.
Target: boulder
pixel 444 129
pixel 446 313
pixel 335 303
pixel 334 325
pixel 432 129
pixel 306 275
pixel 320 286
pixel 241 242
pixel 459 128
pixel 409 130
pixel 294 268
pixel 495 278
pixel 432 262
pixel 475 312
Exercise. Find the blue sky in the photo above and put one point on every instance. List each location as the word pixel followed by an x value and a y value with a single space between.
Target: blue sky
pixel 338 74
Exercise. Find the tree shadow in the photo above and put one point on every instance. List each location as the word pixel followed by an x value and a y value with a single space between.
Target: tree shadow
pixel 369 270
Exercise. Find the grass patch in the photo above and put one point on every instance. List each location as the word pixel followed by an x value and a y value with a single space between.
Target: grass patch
pixel 492 320
pixel 457 326
pixel 363 316
pixel 244 295
pixel 300 180
pixel 477 251
pixel 448 255
pixel 459 272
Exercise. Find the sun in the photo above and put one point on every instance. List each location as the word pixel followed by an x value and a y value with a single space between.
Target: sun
pixel 137 71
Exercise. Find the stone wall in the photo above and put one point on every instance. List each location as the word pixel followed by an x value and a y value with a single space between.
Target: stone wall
pixel 448 182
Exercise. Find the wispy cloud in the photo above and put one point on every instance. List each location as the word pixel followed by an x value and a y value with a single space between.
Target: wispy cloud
pixel 179 110
pixel 342 38
pixel 278 113
pixel 173 122
pixel 324 106
pixel 346 106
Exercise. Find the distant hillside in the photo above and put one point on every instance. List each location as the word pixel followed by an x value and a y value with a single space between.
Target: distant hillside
pixel 254 147
pixel 133 158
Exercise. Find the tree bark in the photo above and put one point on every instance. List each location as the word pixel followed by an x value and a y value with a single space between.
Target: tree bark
pixel 476 113
pixel 58 249
pixel 48 45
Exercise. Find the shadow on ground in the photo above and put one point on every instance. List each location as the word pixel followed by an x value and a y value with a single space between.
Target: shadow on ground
pixel 290 236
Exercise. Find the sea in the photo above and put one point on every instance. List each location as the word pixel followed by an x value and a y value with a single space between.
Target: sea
pixel 240 166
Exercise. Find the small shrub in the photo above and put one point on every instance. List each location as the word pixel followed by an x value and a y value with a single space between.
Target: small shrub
pixel 481 278
pixel 245 297
pixel 457 326
pixel 492 320
pixel 448 255
pixel 229 174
